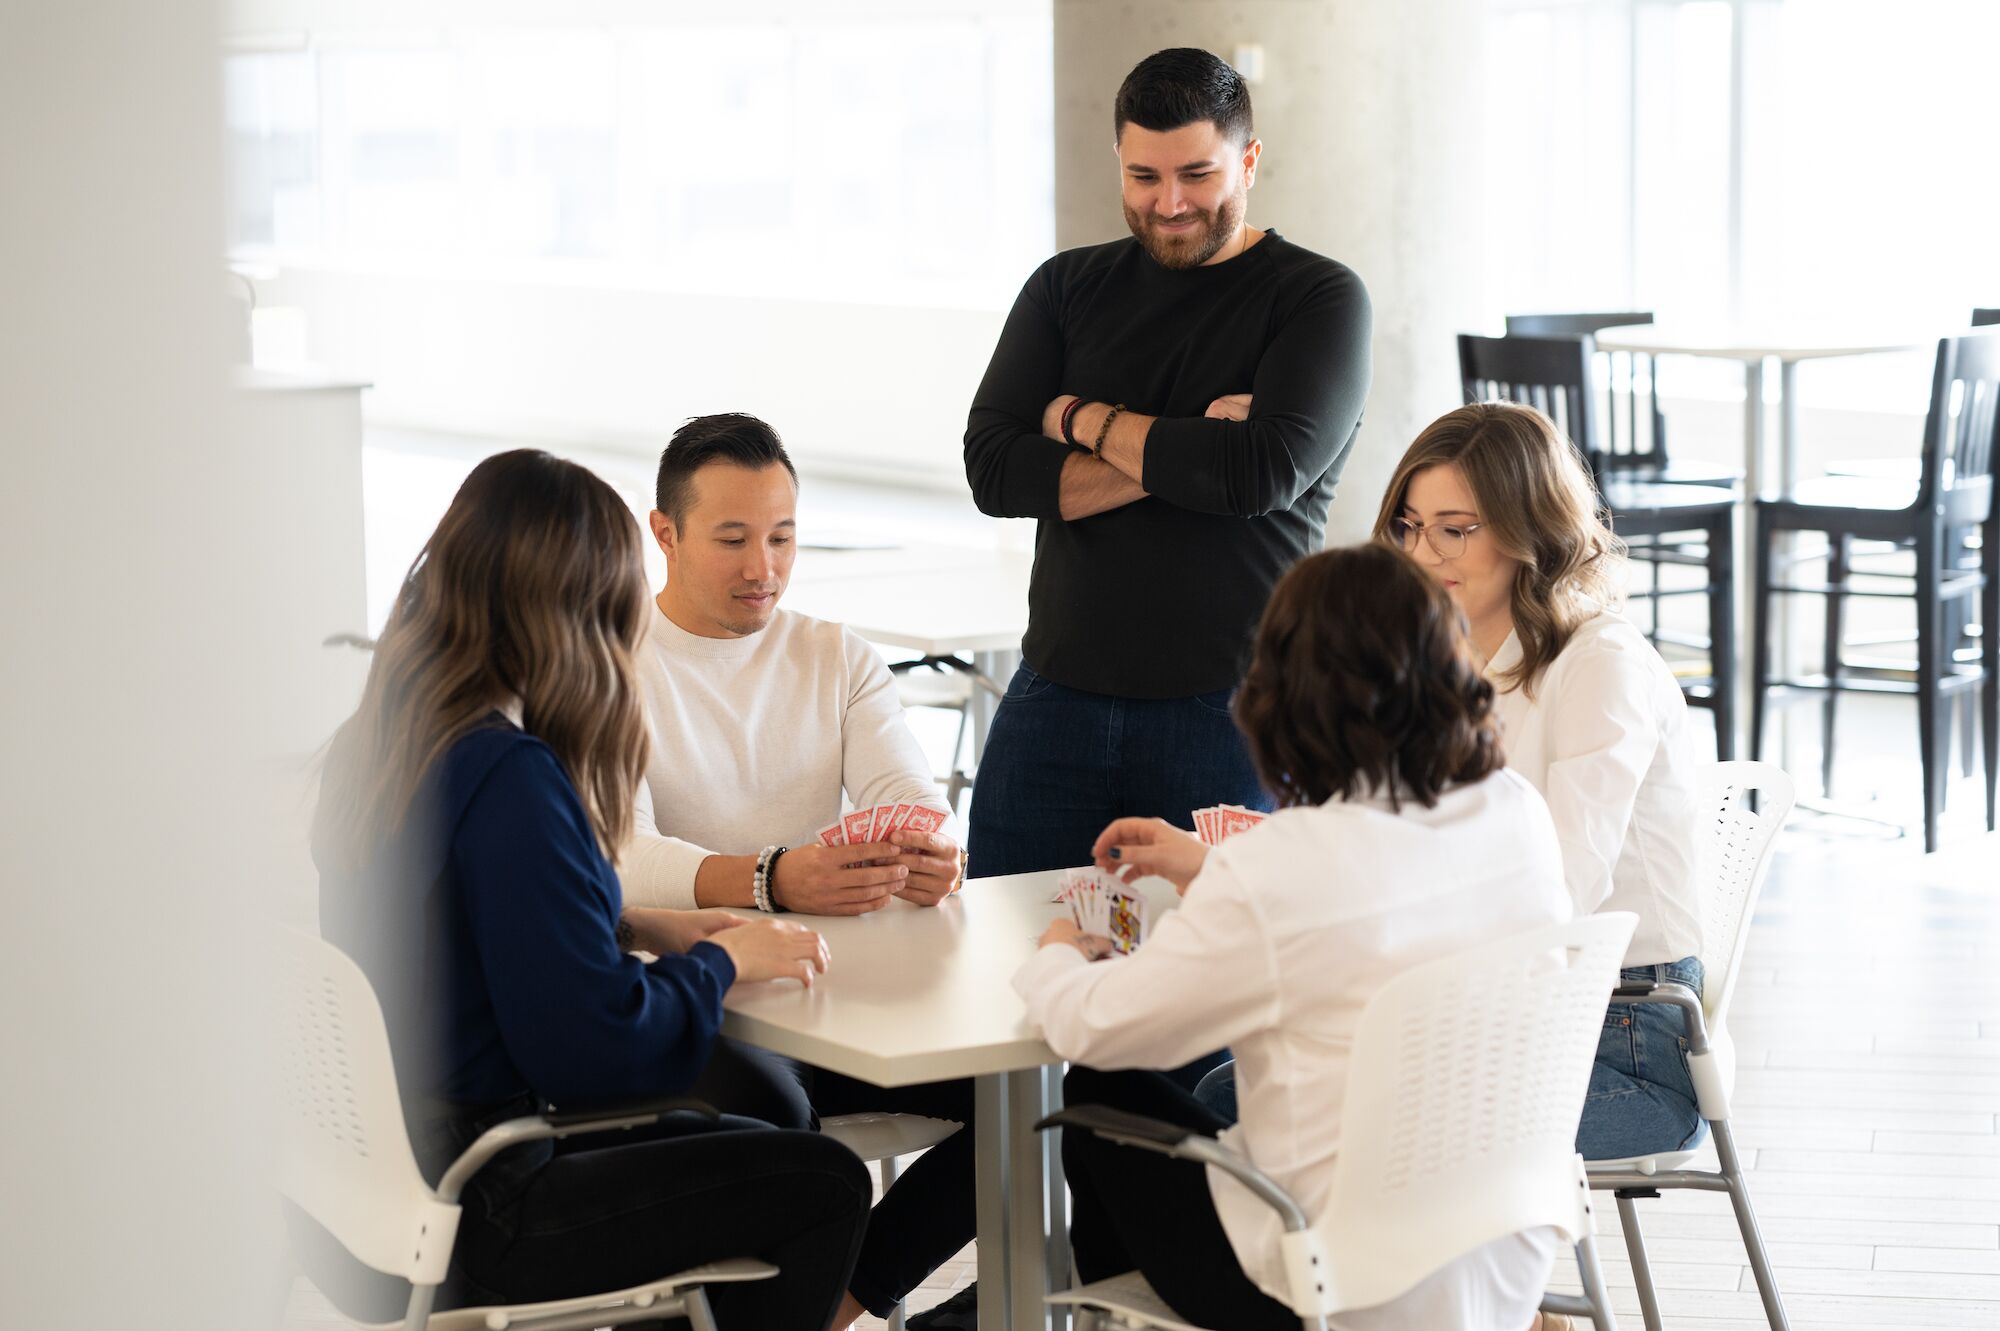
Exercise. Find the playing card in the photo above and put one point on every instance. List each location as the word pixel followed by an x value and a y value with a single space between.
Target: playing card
pixel 926 820
pixel 899 818
pixel 1235 818
pixel 855 827
pixel 1103 906
pixel 832 835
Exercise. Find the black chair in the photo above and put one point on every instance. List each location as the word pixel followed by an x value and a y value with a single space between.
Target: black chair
pixel 1634 439
pixel 1952 498
pixel 1985 318
pixel 1663 524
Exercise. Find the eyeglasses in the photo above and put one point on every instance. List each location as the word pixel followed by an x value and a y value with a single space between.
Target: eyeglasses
pixel 1447 539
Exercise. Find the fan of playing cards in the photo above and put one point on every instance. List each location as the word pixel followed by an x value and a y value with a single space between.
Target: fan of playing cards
pixel 1103 906
pixel 866 826
pixel 1219 822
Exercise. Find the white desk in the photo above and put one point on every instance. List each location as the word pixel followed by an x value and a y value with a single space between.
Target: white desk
pixel 916 995
pixel 939 600
pixel 1753 347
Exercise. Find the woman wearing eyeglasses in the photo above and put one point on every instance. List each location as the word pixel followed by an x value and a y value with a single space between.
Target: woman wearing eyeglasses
pixel 1497 505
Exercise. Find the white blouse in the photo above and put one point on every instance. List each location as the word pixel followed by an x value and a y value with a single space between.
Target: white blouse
pixel 1605 739
pixel 1283 937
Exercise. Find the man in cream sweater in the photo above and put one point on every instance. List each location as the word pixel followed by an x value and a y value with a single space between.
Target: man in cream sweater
pixel 761 719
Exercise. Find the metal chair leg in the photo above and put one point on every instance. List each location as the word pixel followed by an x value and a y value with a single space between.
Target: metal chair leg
pixel 1594 1292
pixel 1836 607
pixel 888 1166
pixel 1642 1271
pixel 698 1315
pixel 1746 1225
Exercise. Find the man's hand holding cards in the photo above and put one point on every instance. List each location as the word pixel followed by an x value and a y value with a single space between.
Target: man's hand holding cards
pixel 907 836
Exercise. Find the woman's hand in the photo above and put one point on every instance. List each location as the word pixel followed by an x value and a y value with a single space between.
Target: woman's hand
pixel 774 950
pixel 1060 931
pixel 1135 847
pixel 665 932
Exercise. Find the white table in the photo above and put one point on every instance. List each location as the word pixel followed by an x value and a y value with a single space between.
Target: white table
pixel 1753 348
pixel 939 600
pixel 920 994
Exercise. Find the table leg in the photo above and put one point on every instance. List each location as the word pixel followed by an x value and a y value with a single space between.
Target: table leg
pixel 1782 611
pixel 1750 559
pixel 991 1096
pixel 1058 1197
pixel 1027 1198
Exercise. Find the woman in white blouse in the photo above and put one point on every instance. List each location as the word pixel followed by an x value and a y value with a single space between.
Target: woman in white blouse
pixel 1497 505
pixel 1399 838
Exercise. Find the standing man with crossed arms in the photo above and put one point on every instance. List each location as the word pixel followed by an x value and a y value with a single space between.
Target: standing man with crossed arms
pixel 1174 409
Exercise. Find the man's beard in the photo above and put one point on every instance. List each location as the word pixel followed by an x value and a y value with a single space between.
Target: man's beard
pixel 1194 248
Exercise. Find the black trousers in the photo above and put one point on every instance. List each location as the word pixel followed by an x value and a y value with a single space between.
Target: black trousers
pixel 1138 1209
pixel 614 1211
pixel 601 1212
pixel 926 1217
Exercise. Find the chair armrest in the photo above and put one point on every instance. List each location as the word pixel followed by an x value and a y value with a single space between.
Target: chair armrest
pixel 1152 1134
pixel 1675 993
pixel 554 1123
pixel 1121 1126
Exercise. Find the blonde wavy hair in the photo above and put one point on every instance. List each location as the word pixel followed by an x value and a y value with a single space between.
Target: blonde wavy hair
pixel 1538 503
pixel 531 590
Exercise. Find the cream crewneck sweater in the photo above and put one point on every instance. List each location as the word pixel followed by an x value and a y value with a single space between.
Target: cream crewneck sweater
pixel 754 741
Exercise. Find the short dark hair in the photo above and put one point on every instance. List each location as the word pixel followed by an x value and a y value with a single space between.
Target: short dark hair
pixel 1361 680
pixel 1180 86
pixel 728 436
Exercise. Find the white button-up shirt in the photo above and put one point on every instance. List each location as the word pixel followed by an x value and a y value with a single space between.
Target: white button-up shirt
pixel 1605 739
pixel 1283 937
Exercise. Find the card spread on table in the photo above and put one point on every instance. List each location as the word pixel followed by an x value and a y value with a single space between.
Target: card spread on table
pixel 865 827
pixel 1219 822
pixel 1103 906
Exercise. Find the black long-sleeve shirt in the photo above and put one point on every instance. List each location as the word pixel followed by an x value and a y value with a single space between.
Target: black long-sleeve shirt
pixel 1158 599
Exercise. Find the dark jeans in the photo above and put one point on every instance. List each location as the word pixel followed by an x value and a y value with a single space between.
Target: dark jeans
pixel 598 1213
pixel 1060 764
pixel 1138 1209
pixel 921 1221
pixel 1641 1098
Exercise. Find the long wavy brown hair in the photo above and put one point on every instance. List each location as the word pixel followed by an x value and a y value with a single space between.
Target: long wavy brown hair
pixel 531 590
pixel 1539 505
pixel 1361 680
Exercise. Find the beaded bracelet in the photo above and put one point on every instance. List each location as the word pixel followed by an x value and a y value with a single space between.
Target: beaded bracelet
pixel 776 907
pixel 1104 431
pixel 760 881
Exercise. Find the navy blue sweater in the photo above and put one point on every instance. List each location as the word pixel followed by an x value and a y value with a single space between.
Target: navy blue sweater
pixel 487 929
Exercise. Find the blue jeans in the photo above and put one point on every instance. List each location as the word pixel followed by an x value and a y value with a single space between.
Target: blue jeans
pixel 1641 1099
pixel 1061 764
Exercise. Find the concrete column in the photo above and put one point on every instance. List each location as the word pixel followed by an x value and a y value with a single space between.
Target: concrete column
pixel 1370 116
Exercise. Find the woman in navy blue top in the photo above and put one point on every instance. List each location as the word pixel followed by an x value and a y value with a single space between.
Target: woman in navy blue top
pixel 462 841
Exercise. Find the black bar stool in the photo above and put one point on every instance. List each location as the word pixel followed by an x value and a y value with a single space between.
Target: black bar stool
pixel 1663 524
pixel 1952 497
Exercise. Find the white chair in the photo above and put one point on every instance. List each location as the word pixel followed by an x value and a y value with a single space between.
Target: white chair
pixel 949 684
pixel 344 1158
pixel 1458 1128
pixel 1734 857
pixel 883 1139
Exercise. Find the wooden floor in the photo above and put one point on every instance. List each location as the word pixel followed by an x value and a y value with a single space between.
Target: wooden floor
pixel 1868 1024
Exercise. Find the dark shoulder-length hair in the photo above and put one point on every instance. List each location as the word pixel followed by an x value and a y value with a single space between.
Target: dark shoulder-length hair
pixel 531 591
pixel 1361 682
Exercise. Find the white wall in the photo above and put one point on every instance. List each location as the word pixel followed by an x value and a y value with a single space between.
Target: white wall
pixel 141 620
pixel 855 389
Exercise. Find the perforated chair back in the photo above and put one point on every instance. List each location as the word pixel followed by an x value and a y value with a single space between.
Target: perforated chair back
pixel 1732 858
pixel 344 1154
pixel 1464 1090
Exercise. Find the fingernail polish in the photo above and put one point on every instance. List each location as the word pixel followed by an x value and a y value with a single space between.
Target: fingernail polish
pixel 1115 853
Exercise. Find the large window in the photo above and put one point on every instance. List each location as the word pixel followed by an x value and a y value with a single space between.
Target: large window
pixel 1780 163
pixel 892 161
